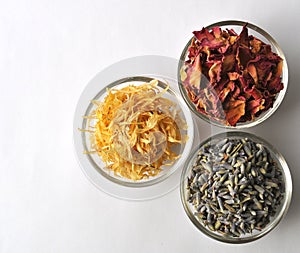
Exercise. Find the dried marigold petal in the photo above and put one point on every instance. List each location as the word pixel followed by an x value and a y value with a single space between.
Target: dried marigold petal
pixel 135 130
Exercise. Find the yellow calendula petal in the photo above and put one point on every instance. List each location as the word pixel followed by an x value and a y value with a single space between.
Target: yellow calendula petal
pixel 134 130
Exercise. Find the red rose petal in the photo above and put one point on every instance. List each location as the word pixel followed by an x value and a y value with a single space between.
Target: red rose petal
pixel 255 106
pixel 233 76
pixel 243 75
pixel 215 72
pixel 234 111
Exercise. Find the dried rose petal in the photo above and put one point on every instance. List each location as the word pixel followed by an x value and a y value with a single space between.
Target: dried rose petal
pixel 233 76
pixel 254 92
pixel 229 61
pixel 243 38
pixel 236 92
pixel 254 106
pixel 215 72
pixel 243 75
pixel 243 56
pixel 224 93
pixel 195 75
pixel 255 44
pixel 275 85
pixel 234 111
pixel 252 71
pixel 203 34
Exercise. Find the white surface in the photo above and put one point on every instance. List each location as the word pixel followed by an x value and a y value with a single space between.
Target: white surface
pixel 49 50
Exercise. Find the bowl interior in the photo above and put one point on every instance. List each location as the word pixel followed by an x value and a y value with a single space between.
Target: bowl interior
pixel 180 149
pixel 274 220
pixel 263 36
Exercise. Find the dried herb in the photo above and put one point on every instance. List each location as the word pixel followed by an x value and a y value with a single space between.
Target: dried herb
pixel 135 130
pixel 243 75
pixel 235 186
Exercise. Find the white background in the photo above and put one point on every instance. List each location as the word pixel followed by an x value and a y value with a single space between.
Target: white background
pixel 49 50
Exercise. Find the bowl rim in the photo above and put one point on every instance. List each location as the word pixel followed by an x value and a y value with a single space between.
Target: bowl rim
pixel 279 97
pixel 280 213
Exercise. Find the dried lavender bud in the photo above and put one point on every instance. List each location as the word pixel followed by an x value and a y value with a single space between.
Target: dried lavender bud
pixel 231 188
